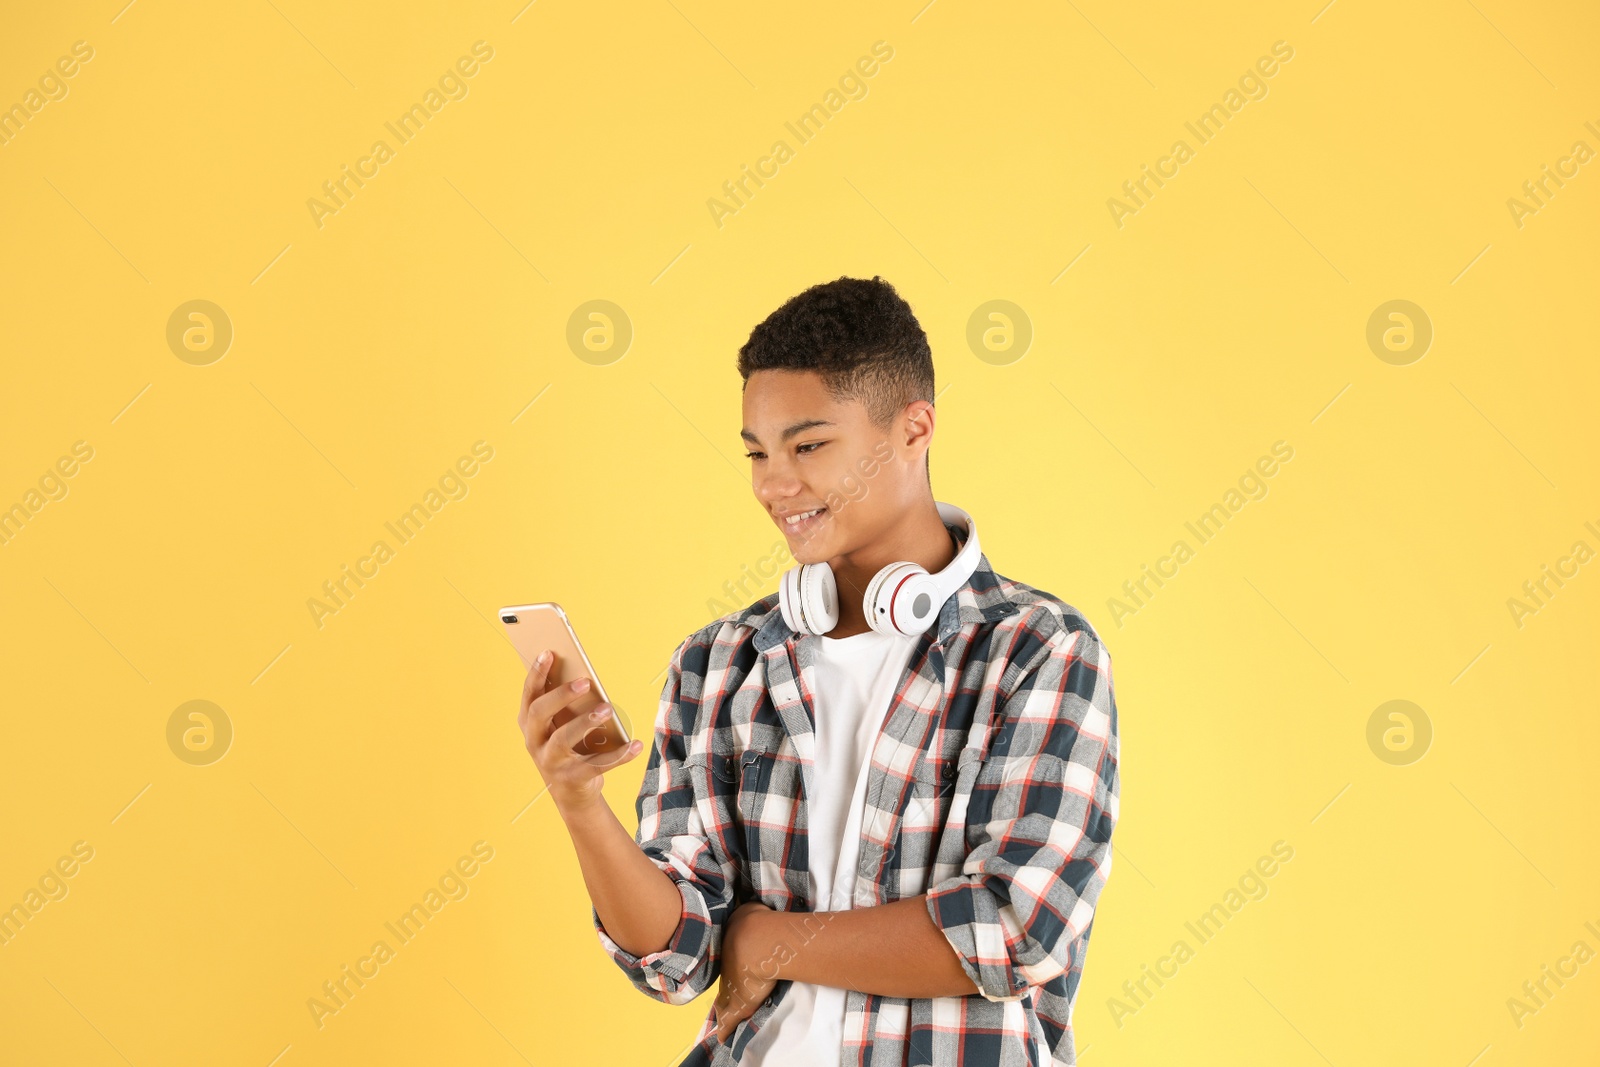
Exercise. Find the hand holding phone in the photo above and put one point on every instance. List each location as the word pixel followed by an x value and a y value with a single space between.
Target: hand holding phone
pixel 573 734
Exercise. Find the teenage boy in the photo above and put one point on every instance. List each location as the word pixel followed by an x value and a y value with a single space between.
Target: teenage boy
pixel 887 845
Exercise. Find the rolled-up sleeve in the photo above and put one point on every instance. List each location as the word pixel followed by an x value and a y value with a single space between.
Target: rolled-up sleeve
pixel 672 835
pixel 1039 824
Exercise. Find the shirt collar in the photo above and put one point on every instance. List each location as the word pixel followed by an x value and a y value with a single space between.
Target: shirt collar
pixel 979 600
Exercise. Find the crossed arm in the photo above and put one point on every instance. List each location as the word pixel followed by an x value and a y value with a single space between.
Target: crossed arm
pixel 1038 826
pixel 892 950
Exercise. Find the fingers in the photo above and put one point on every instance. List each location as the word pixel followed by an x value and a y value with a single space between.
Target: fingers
pixel 566 738
pixel 544 708
pixel 726 1021
pixel 533 684
pixel 735 1003
pixel 628 752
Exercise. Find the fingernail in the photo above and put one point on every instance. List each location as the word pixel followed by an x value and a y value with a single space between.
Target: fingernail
pixel 544 657
pixel 581 685
pixel 599 712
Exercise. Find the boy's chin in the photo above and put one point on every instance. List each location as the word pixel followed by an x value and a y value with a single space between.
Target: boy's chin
pixel 813 551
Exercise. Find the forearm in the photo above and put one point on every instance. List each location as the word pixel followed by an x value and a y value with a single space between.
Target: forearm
pixel 638 903
pixel 892 950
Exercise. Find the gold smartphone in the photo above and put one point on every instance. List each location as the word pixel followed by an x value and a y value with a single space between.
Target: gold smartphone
pixel 533 628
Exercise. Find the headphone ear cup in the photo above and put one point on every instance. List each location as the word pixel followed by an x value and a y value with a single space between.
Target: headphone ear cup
pixel 789 598
pixel 809 598
pixel 916 604
pixel 880 600
pixel 819 597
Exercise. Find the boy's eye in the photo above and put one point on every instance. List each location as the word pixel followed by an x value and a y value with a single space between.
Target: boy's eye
pixel 803 449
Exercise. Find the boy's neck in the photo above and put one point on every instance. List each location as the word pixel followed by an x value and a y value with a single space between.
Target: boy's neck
pixel 921 537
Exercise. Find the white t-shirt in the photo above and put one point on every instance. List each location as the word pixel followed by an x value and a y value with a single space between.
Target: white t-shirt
pixel 855 678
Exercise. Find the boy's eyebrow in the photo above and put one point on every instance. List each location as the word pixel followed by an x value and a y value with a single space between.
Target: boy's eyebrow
pixel 798 427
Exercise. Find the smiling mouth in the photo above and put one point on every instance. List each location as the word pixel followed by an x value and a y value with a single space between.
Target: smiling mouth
pixel 804 520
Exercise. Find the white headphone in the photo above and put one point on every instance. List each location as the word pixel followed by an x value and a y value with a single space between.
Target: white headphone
pixel 902 598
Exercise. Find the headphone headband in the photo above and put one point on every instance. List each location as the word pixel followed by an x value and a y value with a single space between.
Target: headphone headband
pixel 955 575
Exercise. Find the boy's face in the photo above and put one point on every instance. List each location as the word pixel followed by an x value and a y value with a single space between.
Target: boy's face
pixel 836 460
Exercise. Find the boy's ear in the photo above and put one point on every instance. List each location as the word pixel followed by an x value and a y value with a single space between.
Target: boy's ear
pixel 918 421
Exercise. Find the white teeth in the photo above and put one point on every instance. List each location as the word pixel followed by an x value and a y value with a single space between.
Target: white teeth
pixel 795 519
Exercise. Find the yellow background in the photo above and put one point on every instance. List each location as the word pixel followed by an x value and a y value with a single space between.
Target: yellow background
pixel 369 353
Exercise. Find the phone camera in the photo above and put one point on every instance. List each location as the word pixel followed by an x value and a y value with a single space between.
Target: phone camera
pixel 508 618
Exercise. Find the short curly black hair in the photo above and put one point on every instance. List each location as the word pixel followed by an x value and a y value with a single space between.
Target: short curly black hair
pixel 859 335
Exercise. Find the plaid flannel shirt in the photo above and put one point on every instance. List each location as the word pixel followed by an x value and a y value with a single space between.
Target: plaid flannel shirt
pixel 993 789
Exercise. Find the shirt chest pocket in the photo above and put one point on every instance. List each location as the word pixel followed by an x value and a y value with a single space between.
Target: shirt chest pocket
pixel 935 785
pixel 744 775
pixel 746 778
pixel 932 783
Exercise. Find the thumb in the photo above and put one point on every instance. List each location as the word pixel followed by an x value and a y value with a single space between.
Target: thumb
pixel 625 754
